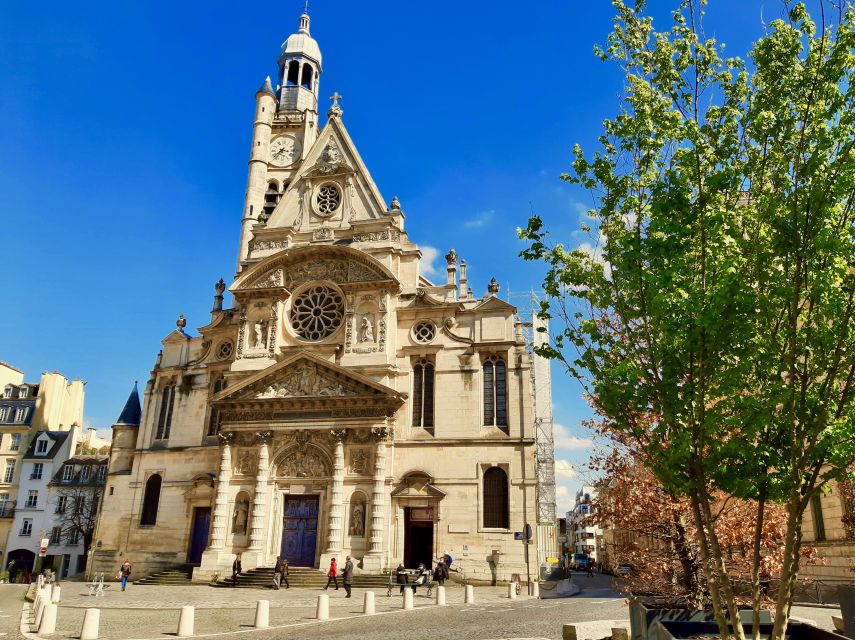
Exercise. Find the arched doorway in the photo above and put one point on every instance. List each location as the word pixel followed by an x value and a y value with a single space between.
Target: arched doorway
pixel 24 561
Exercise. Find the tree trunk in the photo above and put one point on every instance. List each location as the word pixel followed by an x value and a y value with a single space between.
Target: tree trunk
pixel 756 560
pixel 790 572
pixel 709 573
pixel 691 584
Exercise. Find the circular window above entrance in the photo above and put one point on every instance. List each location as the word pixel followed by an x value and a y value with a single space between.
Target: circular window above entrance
pixel 317 312
pixel 327 199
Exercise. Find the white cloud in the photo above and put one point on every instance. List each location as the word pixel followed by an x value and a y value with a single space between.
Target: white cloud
pixel 579 209
pixel 564 470
pixel 565 440
pixel 596 254
pixel 426 265
pixel 480 219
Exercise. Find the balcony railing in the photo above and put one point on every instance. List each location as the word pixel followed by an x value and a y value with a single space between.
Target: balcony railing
pixel 7 511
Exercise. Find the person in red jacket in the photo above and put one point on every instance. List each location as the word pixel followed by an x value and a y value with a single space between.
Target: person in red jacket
pixel 332 575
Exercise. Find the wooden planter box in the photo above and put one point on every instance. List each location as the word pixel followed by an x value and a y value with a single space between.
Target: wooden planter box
pixel 679 630
pixel 642 614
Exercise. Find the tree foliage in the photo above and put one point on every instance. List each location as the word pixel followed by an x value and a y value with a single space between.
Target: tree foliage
pixel 714 322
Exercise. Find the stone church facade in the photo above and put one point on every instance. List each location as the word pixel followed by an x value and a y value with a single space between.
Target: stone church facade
pixel 345 404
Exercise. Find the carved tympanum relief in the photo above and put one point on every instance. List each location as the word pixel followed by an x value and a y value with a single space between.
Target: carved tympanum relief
pixel 304 464
pixel 245 463
pixel 359 461
pixel 292 276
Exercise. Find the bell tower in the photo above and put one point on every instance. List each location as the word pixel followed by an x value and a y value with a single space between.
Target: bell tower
pixel 299 70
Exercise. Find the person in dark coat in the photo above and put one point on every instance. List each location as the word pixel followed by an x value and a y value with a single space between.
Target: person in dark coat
pixel 283 573
pixel 401 573
pixel 236 570
pixel 332 575
pixel 439 573
pixel 347 576
pixel 277 573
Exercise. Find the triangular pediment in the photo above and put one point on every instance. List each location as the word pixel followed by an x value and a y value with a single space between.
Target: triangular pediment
pixel 495 304
pixel 310 382
pixel 417 486
pixel 334 159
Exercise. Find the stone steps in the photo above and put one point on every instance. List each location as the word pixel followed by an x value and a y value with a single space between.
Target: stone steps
pixel 262 578
pixel 177 576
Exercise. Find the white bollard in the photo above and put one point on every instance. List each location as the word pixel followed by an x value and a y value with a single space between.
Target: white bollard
pixel 368 604
pixel 262 614
pixel 408 599
pixel 48 624
pixel 91 619
pixel 55 595
pixel 440 596
pixel 40 607
pixel 534 589
pixel 512 590
pixel 469 598
pixel 185 621
pixel 323 610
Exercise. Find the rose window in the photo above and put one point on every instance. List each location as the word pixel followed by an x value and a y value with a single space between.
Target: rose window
pixel 224 350
pixel 317 312
pixel 424 332
pixel 328 199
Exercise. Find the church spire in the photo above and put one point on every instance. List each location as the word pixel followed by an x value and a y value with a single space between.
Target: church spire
pixel 299 69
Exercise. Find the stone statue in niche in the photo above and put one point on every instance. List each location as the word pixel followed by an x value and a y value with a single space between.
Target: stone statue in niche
pixel 366 330
pixel 241 515
pixel 259 336
pixel 357 518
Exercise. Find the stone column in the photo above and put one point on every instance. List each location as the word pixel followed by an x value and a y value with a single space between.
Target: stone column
pixel 259 502
pixel 337 497
pixel 374 559
pixel 221 502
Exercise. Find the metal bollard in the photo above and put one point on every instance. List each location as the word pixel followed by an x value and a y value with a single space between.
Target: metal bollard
pixel 91 619
pixel 408 599
pixel 323 610
pixel 186 621
pixel 469 598
pixel 440 596
pixel 368 604
pixel 512 590
pixel 55 595
pixel 262 614
pixel 48 623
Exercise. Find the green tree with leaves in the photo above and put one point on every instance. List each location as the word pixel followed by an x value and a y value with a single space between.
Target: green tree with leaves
pixel 713 322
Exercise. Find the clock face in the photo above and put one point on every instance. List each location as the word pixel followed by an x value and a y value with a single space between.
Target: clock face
pixel 284 151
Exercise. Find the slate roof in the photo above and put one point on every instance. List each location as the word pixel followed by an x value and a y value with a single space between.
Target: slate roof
pixel 132 411
pixel 58 437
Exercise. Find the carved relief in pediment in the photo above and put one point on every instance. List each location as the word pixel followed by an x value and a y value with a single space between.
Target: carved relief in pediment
pixel 305 380
pixel 331 161
pixel 341 271
pixel 303 464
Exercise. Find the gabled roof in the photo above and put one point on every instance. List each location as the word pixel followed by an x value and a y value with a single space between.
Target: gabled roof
pixel 132 411
pixel 494 303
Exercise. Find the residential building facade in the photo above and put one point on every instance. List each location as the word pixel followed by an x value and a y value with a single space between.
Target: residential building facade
pixel 345 404
pixel 581 530
pixel 54 404
pixel 825 528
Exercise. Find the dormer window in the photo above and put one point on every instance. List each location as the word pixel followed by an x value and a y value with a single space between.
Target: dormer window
pixel 4 413
pixel 41 447
pixel 20 414
pixel 84 474
pixel 23 392
pixel 7 392
pixel 67 473
pixel 102 473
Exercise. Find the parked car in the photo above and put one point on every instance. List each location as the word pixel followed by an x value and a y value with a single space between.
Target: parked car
pixel 623 569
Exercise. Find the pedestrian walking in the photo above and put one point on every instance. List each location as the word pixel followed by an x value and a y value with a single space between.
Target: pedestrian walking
pixel 401 576
pixel 440 572
pixel 347 576
pixel 590 573
pixel 277 573
pixel 332 575
pixel 237 569
pixel 283 573
pixel 125 573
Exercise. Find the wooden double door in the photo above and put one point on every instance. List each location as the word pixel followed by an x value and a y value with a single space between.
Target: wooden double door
pixel 300 530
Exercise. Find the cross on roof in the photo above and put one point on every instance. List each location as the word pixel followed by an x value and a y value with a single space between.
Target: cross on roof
pixel 335 97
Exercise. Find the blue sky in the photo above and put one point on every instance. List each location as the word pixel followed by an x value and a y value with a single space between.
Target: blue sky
pixel 126 129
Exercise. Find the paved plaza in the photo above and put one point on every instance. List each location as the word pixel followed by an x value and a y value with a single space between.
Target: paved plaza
pixel 151 613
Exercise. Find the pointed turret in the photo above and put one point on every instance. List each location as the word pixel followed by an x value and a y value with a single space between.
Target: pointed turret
pixel 266 87
pixel 132 411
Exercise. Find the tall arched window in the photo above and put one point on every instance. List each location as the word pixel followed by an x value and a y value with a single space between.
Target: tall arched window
pixel 496 499
pixel 423 394
pixel 307 77
pixel 293 78
pixel 495 392
pixel 164 420
pixel 151 500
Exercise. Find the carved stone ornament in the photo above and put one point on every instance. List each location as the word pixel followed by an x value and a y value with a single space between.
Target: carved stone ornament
pixel 359 461
pixel 376 236
pixel 302 436
pixel 341 271
pixel 264 437
pixel 331 161
pixel 299 464
pixel 381 433
pixel 226 437
pixel 338 435
pixel 305 380
pixel 264 245
pixel 323 233
pixel 245 463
